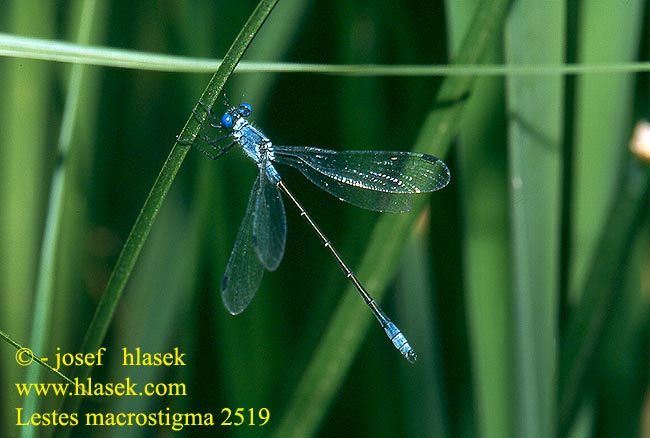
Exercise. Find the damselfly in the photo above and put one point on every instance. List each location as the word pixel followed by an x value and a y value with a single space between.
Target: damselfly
pixel 375 180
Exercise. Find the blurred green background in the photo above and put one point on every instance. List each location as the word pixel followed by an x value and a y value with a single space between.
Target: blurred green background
pixel 524 285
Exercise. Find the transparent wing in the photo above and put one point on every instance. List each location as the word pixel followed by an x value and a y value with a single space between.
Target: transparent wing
pixel 244 270
pixel 269 223
pixel 375 180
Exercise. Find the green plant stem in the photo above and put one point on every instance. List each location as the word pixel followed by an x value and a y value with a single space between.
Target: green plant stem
pixel 138 235
pixel 17 46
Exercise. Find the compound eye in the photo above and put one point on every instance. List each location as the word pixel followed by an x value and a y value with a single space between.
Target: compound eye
pixel 226 121
pixel 245 109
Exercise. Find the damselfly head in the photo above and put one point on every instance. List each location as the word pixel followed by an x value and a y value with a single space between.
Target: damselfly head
pixel 228 119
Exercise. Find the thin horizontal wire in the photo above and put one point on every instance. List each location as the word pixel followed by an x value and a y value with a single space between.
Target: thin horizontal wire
pixel 49 50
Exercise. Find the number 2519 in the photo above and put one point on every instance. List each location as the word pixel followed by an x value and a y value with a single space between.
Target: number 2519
pixel 239 416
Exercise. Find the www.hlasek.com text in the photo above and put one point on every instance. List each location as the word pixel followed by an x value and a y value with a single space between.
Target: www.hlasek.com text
pixel 91 388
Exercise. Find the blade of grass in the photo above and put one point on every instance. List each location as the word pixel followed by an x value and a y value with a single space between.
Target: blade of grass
pixel 72 246
pixel 24 160
pixel 600 98
pixel 43 300
pixel 584 331
pixel 535 35
pixel 138 235
pixel 602 120
pixel 486 400
pixel 346 329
